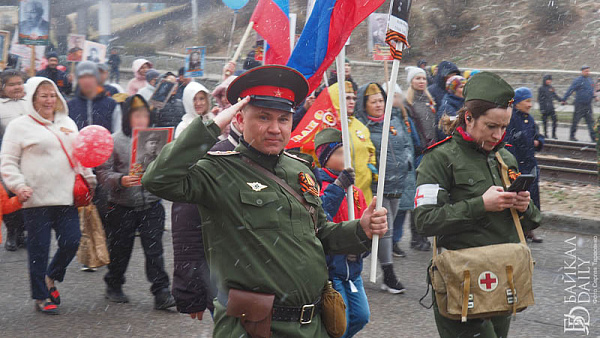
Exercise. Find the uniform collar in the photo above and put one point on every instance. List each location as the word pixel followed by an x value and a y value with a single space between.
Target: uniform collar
pixel 464 138
pixel 266 161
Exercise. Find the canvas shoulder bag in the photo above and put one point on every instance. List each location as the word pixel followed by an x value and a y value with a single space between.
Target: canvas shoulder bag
pixel 486 281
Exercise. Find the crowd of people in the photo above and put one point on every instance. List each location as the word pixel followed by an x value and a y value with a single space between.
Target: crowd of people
pixel 40 117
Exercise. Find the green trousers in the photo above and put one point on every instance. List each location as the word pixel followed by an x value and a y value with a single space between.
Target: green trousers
pixel 496 327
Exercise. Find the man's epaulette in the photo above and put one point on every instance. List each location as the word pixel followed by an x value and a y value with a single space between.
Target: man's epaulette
pixel 438 143
pixel 296 158
pixel 223 153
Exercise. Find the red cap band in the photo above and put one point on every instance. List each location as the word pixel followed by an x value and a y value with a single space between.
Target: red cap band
pixel 284 93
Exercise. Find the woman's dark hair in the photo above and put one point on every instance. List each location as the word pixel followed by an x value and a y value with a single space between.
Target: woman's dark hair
pixel 477 108
pixel 9 74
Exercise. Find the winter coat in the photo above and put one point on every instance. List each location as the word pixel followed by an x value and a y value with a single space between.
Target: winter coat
pixel 424 116
pixel 60 78
pixel 450 182
pixel 7 205
pixel 189 93
pixel 139 80
pixel 170 115
pixel 32 156
pixel 101 110
pixel 147 91
pixel 546 96
pixel 451 104
pixel 335 205
pixel 438 88
pixel 584 90
pixel 119 165
pixel 114 61
pixel 400 152
pixel 362 150
pixel 520 134
pixel 110 90
pixel 9 110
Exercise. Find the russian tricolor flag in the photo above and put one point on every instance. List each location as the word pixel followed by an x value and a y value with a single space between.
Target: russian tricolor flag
pixel 327 30
pixel 271 21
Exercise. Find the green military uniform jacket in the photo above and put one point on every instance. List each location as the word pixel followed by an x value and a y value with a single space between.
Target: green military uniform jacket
pixel 257 236
pixel 463 172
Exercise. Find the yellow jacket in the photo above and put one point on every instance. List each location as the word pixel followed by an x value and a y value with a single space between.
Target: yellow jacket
pixel 361 148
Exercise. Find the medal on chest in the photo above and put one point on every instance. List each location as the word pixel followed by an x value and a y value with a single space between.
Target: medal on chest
pixel 308 184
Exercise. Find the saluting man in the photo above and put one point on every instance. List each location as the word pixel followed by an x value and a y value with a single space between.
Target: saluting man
pixel 265 232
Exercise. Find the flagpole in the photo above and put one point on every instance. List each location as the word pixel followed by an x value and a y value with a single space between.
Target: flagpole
pixel 341 77
pixel 232 30
pixel 242 42
pixel 385 135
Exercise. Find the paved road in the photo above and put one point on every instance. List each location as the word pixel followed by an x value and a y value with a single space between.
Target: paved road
pixel 85 312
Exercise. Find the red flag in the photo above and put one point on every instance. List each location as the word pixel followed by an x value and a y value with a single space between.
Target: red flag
pixel 319 116
pixel 272 23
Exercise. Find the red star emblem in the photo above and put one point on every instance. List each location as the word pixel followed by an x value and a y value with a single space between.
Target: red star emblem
pixel 278 93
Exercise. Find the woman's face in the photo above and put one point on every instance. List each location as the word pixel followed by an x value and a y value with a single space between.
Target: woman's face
pixel 14 88
pixel 201 103
pixel 139 118
pixel 143 69
pixel 525 105
pixel 419 82
pixel 350 103
pixel 489 128
pixel 44 100
pixel 459 90
pixel 375 105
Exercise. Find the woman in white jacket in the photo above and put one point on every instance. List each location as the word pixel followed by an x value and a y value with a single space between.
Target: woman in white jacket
pixel 36 168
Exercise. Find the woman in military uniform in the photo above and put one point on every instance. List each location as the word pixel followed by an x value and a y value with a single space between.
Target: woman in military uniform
pixel 460 198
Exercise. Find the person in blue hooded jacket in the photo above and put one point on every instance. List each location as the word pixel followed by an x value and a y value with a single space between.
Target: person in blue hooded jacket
pixel 445 70
pixel 525 140
pixel 452 102
pixel 583 87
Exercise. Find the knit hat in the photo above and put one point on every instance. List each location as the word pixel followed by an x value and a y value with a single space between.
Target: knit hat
pixel 421 62
pixel 151 74
pixel 454 82
pixel 87 68
pixel 470 72
pixel 327 141
pixel 411 72
pixel 584 67
pixel 522 94
pixel 51 55
pixel 102 67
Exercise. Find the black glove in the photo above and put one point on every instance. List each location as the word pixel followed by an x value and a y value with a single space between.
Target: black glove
pixel 345 179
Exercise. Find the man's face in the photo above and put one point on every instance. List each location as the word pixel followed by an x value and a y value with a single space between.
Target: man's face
pixel 585 72
pixel 151 147
pixel 267 130
pixel 87 84
pixel 548 82
pixel 32 13
pixel 52 62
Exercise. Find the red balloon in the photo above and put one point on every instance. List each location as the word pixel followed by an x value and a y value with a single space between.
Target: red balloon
pixel 93 146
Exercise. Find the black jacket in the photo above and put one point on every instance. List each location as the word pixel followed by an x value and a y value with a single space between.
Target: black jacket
pixel 170 115
pixel 59 77
pixel 438 88
pixel 546 96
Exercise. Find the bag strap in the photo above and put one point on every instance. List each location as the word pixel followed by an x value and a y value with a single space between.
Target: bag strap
pixel 311 210
pixel 513 211
pixel 58 138
pixel 515 216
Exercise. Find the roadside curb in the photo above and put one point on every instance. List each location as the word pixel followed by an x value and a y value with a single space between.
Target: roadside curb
pixel 554 221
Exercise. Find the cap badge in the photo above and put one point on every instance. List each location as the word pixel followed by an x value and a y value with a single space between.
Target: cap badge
pixel 256 186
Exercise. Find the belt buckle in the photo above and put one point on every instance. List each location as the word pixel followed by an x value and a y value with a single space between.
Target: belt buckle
pixel 309 307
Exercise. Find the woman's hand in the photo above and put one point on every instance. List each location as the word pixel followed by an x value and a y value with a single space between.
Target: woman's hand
pixel 130 181
pixel 197 315
pixel 522 202
pixel 24 194
pixel 496 199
